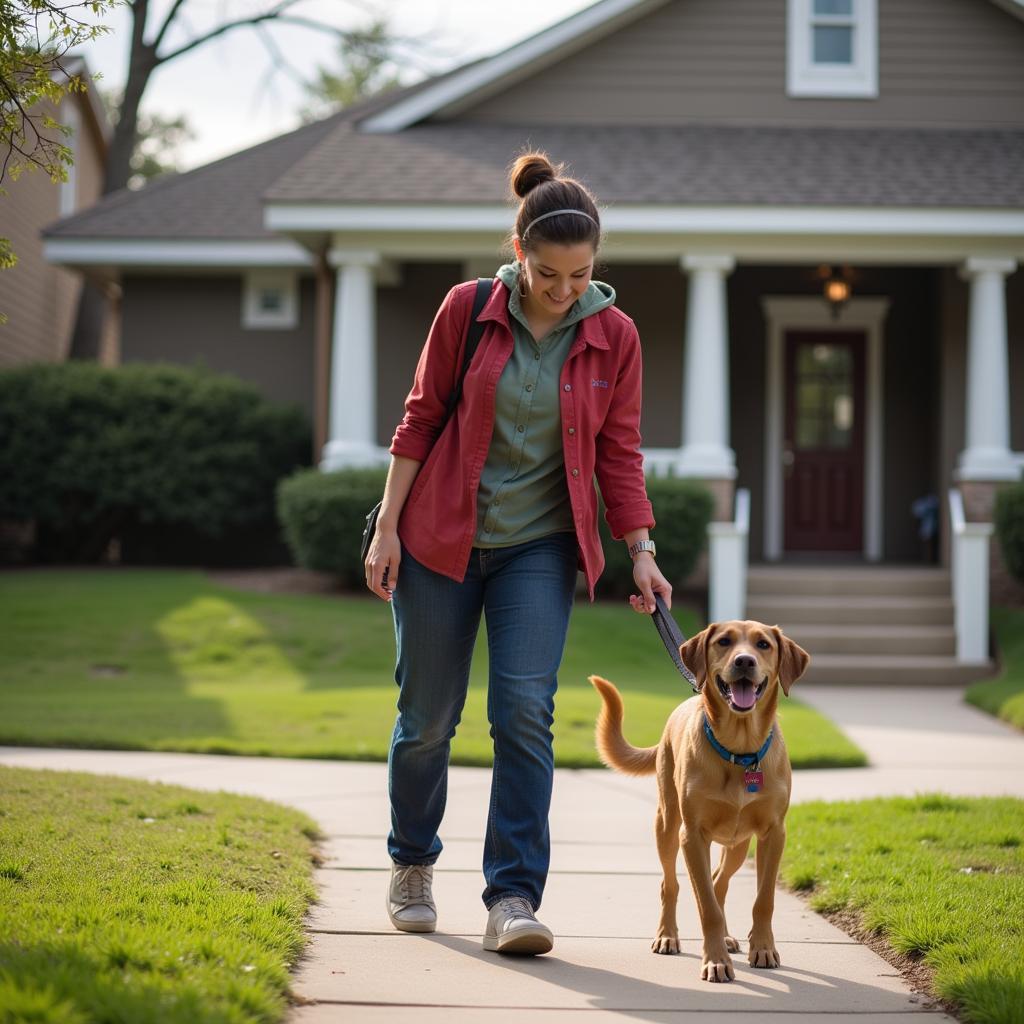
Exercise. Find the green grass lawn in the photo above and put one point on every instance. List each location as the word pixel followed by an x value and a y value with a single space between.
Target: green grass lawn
pixel 129 901
pixel 167 660
pixel 1004 696
pixel 941 879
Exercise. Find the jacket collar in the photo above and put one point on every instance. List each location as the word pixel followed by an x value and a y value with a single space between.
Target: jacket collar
pixel 589 332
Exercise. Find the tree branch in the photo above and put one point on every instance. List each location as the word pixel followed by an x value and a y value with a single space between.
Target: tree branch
pixel 162 31
pixel 272 15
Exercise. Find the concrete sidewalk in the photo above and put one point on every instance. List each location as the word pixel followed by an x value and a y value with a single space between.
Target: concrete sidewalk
pixel 602 895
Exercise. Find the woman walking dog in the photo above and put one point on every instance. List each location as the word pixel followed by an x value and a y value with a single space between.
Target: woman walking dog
pixel 494 513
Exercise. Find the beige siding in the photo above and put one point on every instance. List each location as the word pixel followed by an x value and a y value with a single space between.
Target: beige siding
pixel 193 320
pixel 39 299
pixel 404 316
pixel 941 63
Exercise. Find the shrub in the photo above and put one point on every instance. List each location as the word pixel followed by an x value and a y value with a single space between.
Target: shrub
pixel 1009 519
pixel 683 510
pixel 89 453
pixel 323 516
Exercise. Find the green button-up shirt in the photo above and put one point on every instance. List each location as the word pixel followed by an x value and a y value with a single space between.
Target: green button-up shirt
pixel 523 492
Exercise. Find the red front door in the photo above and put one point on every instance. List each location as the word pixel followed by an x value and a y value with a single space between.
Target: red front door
pixel 824 441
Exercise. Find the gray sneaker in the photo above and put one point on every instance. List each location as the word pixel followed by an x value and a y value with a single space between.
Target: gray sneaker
pixel 410 901
pixel 513 928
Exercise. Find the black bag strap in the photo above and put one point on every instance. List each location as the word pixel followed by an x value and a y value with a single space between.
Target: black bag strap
pixel 473 336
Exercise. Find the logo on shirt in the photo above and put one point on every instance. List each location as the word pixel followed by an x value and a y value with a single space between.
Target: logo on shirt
pixel 595 383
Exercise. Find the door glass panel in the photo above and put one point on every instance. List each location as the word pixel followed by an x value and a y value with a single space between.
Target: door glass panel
pixel 824 397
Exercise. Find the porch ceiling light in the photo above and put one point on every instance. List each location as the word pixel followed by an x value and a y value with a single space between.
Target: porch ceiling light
pixel 837 288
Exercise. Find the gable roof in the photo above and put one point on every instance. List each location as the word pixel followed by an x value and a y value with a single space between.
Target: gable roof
pixel 335 162
pixel 471 85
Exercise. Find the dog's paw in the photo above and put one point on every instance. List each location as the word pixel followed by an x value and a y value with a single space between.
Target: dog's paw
pixel 665 944
pixel 731 944
pixel 763 954
pixel 717 968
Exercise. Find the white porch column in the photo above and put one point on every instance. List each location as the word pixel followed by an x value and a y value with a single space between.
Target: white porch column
pixel 352 420
pixel 987 454
pixel 705 452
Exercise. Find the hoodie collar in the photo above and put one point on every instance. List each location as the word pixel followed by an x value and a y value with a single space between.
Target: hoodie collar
pixel 589 328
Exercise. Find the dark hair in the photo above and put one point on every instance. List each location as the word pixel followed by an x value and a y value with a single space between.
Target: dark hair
pixel 542 189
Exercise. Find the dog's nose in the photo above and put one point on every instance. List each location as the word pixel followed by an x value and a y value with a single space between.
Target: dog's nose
pixel 745 662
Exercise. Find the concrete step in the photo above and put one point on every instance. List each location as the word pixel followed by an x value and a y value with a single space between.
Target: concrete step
pixel 855 609
pixel 868 638
pixel 839 580
pixel 892 670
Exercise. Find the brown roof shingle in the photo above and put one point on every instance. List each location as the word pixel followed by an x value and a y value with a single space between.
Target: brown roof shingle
pixel 692 164
pixel 457 162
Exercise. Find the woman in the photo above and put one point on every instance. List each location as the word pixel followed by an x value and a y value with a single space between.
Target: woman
pixel 495 513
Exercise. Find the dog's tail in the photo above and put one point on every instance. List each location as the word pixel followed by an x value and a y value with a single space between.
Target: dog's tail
pixel 612 747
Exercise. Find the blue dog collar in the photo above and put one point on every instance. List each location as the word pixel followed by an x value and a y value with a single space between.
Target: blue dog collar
pixel 744 760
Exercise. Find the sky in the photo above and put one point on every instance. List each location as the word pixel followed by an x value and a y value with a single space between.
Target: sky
pixel 230 100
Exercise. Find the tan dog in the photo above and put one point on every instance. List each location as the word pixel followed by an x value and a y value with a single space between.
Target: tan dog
pixel 705 798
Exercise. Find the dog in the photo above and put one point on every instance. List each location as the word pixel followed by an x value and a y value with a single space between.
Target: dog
pixel 703 797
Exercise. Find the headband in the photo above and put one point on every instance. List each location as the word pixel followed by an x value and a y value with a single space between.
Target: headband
pixel 555 213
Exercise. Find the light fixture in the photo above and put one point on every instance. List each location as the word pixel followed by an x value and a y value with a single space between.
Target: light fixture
pixel 837 287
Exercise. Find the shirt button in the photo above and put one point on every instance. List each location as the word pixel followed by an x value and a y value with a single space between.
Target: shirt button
pixel 536 355
pixel 575 472
pixel 529 387
pixel 568 387
pixel 572 430
pixel 520 428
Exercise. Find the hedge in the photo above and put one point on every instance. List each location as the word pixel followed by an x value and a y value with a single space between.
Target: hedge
pixel 683 509
pixel 146 452
pixel 1009 519
pixel 323 515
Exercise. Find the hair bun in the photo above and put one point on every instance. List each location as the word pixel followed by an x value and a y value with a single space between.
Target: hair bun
pixel 531 170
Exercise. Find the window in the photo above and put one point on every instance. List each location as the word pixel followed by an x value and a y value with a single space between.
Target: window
pixel 832 48
pixel 270 300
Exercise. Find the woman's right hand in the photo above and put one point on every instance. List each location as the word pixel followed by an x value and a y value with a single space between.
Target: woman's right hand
pixel 382 562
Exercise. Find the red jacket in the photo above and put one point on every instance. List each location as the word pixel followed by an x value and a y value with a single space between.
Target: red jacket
pixel 600 393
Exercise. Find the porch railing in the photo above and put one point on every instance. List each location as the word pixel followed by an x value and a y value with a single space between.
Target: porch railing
pixel 970 582
pixel 727 563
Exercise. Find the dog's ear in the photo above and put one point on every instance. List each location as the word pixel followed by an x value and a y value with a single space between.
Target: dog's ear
pixel 695 653
pixel 793 660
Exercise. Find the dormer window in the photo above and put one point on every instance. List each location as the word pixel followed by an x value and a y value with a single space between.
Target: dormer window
pixel 832 48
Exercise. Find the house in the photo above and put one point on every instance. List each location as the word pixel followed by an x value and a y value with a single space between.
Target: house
pixel 39 298
pixel 750 155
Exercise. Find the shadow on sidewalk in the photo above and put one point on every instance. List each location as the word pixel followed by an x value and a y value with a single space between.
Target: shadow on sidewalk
pixel 800 990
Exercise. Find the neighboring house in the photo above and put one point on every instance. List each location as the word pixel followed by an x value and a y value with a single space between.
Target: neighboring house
pixel 743 150
pixel 40 299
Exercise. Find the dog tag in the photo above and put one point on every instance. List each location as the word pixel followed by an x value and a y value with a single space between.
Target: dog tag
pixel 754 781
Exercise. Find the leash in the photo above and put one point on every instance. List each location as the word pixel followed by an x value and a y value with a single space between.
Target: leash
pixel 672 637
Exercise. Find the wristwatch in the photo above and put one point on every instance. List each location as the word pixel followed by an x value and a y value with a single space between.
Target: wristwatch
pixel 642 545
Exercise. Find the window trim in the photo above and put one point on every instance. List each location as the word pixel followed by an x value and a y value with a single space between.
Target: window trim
pixel 72 119
pixel 256 319
pixel 805 79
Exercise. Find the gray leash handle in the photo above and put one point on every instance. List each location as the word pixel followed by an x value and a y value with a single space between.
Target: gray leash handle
pixel 672 637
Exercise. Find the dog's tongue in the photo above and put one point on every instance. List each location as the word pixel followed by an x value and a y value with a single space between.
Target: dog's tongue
pixel 743 693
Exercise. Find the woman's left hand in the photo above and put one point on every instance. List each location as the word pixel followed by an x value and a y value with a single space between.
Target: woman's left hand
pixel 648 578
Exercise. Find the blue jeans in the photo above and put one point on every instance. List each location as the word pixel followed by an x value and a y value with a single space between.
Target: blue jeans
pixel 525 593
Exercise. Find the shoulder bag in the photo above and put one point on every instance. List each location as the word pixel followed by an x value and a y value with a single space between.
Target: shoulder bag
pixel 473 335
